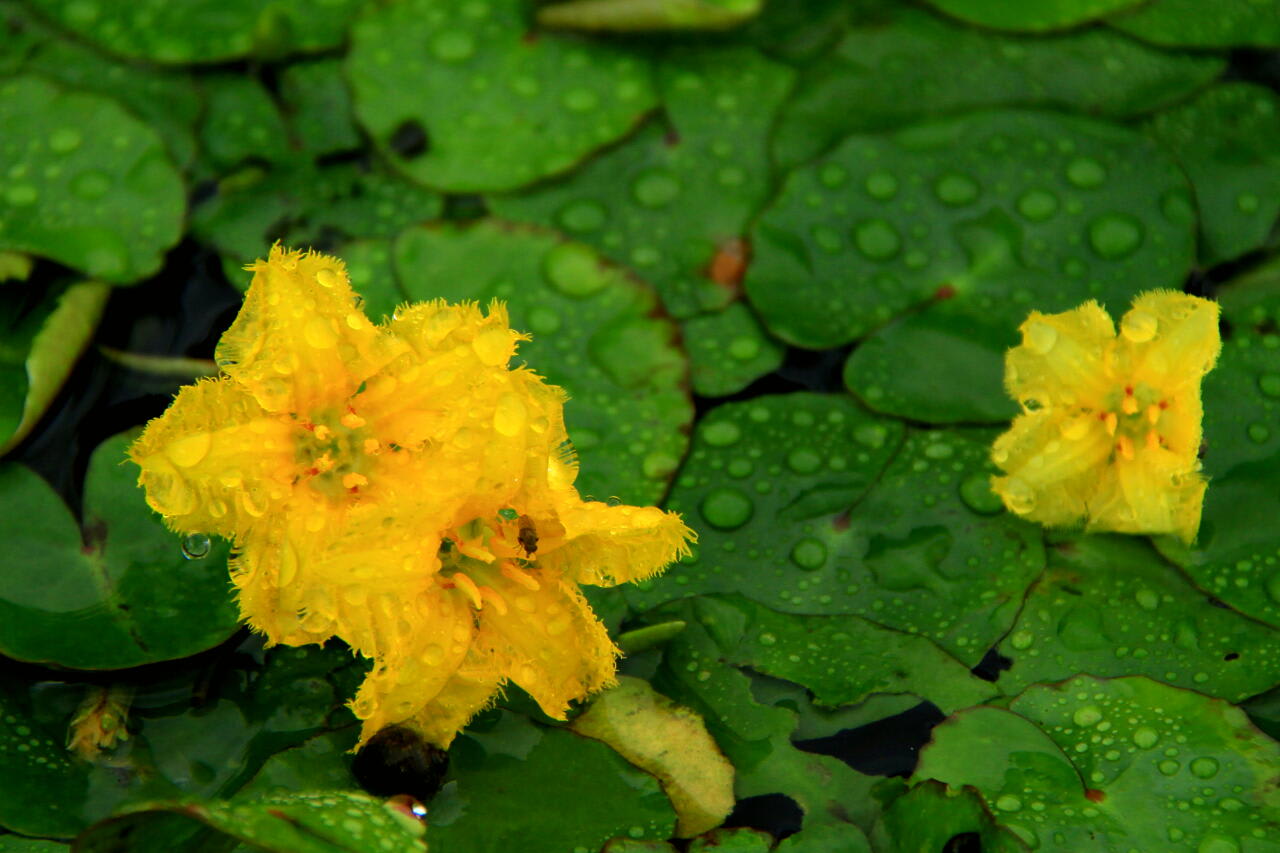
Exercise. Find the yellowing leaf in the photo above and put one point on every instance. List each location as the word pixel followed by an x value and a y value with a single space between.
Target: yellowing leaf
pixel 669 741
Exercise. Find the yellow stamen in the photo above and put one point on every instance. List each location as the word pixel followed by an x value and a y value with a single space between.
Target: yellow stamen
pixel 492 597
pixel 469 589
pixel 1112 420
pixel 1124 444
pixel 352 421
pixel 325 462
pixel 354 480
pixel 1129 405
pixel 1153 413
pixel 512 572
pixel 1153 440
pixel 322 432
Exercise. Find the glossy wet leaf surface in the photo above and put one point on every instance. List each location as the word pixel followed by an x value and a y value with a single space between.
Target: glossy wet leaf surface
pixel 1111 606
pixel 593 334
pixel 533 106
pixel 88 185
pixel 1194 24
pixel 906 65
pixel 1123 763
pixel 206 30
pixel 728 350
pixel 114 589
pixel 510 789
pixel 1031 15
pixel 1225 140
pixel 673 202
pixel 920 546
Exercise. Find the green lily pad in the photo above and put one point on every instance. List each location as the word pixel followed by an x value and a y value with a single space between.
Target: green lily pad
pixel 562 792
pixel 88 185
pixel 826 838
pixel 1190 23
pixel 1236 556
pixel 1031 15
pixel 828 655
pixel 166 99
pixel 310 822
pixel 19 844
pixel 44 334
pixel 322 763
pixel 927 816
pixel 648 15
pixel 905 65
pixel 202 733
pixel 241 122
pixel 728 350
pixel 318 106
pixel 798 32
pixel 733 840
pixel 1225 139
pixel 594 334
pixel 204 30
pixel 486 106
pixel 818 721
pixel 958 229
pixel 1110 606
pixel 1117 764
pixel 674 201
pixel 809 520
pixel 321 207
pixel 116 590
pixel 755 737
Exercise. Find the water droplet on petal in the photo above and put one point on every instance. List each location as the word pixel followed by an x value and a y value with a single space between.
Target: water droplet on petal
pixel 1040 338
pixel 1139 326
pixel 509 416
pixel 190 449
pixel 196 546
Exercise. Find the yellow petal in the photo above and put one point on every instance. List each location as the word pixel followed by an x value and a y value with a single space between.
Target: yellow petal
pixel 1153 493
pixel 1051 460
pixel 407 678
pixel 549 642
pixel 300 342
pixel 215 461
pixel 1169 340
pixel 606 545
pixel 1062 357
pixel 469 691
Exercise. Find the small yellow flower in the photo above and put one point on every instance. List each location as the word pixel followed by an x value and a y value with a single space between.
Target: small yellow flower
pixel 1110 429
pixel 399 487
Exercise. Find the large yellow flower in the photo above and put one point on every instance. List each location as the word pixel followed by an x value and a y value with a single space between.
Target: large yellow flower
pixel 400 487
pixel 1110 432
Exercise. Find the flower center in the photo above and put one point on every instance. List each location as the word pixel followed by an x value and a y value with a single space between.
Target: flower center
pixel 477 554
pixel 335 451
pixel 1132 416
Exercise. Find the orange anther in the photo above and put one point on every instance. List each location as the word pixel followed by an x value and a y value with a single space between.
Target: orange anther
pixel 1112 421
pixel 512 572
pixel 1129 405
pixel 1124 446
pixel 494 599
pixel 469 589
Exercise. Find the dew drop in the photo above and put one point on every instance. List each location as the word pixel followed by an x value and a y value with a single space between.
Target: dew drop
pixel 1008 803
pixel 1087 716
pixel 871 435
pixel 574 270
pixel 1145 737
pixel 1139 326
pixel 955 190
pixel 509 415
pixel 804 460
pixel 833 175
pixel 1259 433
pixel 196 546
pixel 1115 235
pixel 1021 639
pixel 1018 496
pixel 1218 844
pixel 1204 768
pixel 877 239
pixel 91 184
pixel 327 277
pixel 768 639
pixel 1086 172
pixel 726 508
pixel 453 45
pixel 580 100
pixel 1168 767
pixel 1269 384
pixel 1147 599
pixel 881 186
pixel 1040 338
pixel 492 346
pixel 721 433
pixel 976 493
pixel 22 195
pixel 582 216
pixel 433 655
pixel 809 554
pixel 656 188
pixel 1037 205
pixel 744 349
pixel 189 450
pixel 65 140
